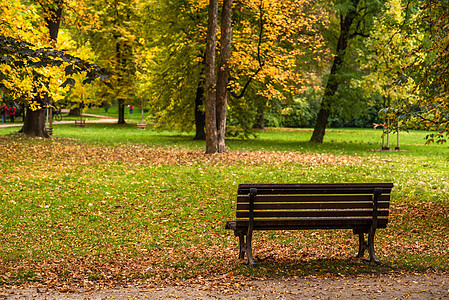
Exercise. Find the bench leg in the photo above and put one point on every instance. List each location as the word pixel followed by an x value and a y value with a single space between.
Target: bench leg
pixel 362 245
pixel 249 249
pixel 245 247
pixel 241 245
pixel 367 245
pixel 372 255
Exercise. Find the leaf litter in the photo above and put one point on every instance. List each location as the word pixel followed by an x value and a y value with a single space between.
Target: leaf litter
pixel 322 254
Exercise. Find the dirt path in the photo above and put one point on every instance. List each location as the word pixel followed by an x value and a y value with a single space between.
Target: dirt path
pixel 101 119
pixel 418 286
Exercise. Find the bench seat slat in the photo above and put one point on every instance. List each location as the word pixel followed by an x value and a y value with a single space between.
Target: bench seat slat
pixel 313 191
pixel 314 185
pixel 312 198
pixel 311 223
pixel 299 206
pixel 310 188
pixel 311 213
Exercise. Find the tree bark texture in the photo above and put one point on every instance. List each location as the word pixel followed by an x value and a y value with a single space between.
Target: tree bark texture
pixel 74 112
pixel 332 84
pixel 53 19
pixel 211 117
pixel 121 62
pixel 200 121
pixel 223 72
pixel 34 124
pixel 121 111
pixel 258 124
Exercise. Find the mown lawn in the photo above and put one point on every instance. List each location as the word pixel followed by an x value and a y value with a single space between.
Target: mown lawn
pixel 106 203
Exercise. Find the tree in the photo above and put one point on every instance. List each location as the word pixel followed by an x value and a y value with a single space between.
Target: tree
pixel 383 55
pixel 34 122
pixel 210 105
pixel 355 22
pixel 346 21
pixel 26 67
pixel 216 91
pixel 409 53
pixel 223 73
pixel 112 34
pixel 269 38
pixel 172 64
pixel 24 62
pixel 277 20
pixel 278 52
pixel 430 68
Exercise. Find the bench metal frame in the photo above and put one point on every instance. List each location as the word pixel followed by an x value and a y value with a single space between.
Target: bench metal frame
pixel 362 207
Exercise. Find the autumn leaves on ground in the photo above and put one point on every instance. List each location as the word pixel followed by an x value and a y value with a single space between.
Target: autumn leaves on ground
pixel 76 213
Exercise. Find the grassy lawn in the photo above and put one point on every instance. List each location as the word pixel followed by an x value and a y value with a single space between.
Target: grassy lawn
pixel 109 203
pixel 135 117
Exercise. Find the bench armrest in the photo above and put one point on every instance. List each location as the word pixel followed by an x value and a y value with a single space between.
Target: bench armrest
pixel 252 196
pixel 376 196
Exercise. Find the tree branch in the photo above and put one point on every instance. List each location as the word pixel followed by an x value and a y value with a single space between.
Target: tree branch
pixel 259 56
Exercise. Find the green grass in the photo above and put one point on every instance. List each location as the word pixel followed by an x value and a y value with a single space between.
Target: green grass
pixel 135 117
pixel 113 202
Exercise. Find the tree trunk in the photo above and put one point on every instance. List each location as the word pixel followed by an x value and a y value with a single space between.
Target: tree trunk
pixel 211 117
pixel 34 120
pixel 121 63
pixel 53 19
pixel 74 112
pixel 332 84
pixel 121 111
pixel 200 121
pixel 320 125
pixel 259 119
pixel 223 73
pixel 34 124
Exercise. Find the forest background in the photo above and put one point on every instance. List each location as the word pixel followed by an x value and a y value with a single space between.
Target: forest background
pixel 279 63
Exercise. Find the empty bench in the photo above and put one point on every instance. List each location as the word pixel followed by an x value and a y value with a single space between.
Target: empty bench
pixel 362 207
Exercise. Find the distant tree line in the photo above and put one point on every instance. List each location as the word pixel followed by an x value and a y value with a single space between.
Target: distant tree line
pixel 204 65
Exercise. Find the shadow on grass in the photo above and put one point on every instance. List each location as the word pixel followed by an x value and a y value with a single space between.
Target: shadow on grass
pixel 319 267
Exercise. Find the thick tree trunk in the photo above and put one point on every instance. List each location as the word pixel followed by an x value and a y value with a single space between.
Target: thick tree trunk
pixel 259 120
pixel 223 73
pixel 53 19
pixel 121 111
pixel 332 83
pixel 34 124
pixel 34 120
pixel 320 125
pixel 121 63
pixel 74 112
pixel 200 121
pixel 211 117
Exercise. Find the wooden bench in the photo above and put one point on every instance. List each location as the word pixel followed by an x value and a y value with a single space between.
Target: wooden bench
pixel 362 207
pixel 141 126
pixel 80 123
pixel 49 130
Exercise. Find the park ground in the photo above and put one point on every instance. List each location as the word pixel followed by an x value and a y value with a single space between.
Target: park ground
pixel 385 286
pixel 109 211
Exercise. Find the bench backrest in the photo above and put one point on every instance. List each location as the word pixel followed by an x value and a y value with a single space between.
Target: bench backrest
pixel 313 206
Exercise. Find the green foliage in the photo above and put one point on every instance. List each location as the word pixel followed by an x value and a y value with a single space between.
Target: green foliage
pixel 352 91
pixel 430 67
pixel 300 112
pixel 175 38
pixel 112 33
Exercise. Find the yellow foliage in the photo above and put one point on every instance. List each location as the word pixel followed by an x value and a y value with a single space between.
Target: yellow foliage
pixel 277 45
